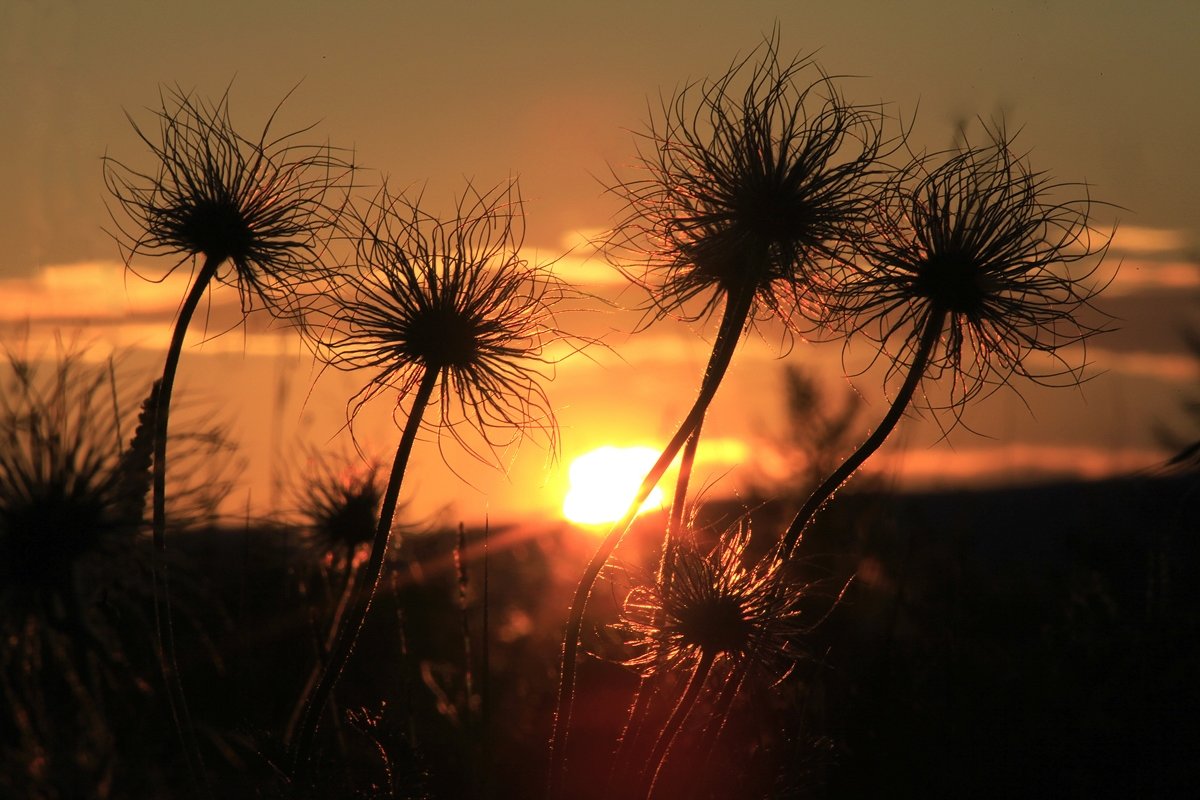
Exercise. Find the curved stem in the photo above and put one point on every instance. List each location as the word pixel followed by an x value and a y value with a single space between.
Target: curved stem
pixel 679 715
pixel 324 646
pixel 929 338
pixel 732 323
pixel 161 578
pixel 364 590
pixel 645 689
pixel 722 707
pixel 686 463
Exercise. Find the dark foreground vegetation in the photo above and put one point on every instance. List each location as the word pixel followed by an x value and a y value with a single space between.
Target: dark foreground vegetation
pixel 1041 641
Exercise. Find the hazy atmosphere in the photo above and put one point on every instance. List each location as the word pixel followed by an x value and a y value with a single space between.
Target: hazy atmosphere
pixel 588 401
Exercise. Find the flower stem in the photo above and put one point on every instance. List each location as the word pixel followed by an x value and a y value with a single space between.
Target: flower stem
pixel 645 688
pixel 679 502
pixel 722 706
pixel 325 645
pixel 732 322
pixel 666 737
pixel 364 590
pixel 929 337
pixel 161 578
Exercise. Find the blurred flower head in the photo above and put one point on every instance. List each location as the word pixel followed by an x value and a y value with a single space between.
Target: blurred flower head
pixel 79 660
pixel 1005 258
pixel 339 500
pixel 751 183
pixel 260 206
pixel 74 475
pixel 61 486
pixel 713 603
pixel 455 297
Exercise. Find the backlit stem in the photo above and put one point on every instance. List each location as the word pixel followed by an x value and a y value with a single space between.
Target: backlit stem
pixel 168 661
pixel 930 334
pixel 364 590
pixel 929 338
pixel 325 645
pixel 645 688
pixel 733 321
pixel 679 715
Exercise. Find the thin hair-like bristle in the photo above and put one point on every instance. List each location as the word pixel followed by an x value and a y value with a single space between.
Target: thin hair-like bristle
pixel 262 205
pixel 755 181
pixel 455 296
pixel 1008 254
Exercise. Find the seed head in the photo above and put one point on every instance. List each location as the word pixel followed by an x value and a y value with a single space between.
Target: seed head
pixel 713 603
pixel 340 501
pixel 260 206
pixel 74 473
pixel 753 183
pixel 453 296
pixel 978 236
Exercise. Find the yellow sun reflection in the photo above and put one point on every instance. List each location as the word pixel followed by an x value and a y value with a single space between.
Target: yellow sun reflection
pixel 604 481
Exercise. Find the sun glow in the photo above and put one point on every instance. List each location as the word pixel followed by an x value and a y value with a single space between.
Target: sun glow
pixel 604 482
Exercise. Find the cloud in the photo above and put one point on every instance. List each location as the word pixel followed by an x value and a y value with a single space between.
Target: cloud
pixel 1013 463
pixel 88 290
pixel 679 344
pixel 582 268
pixel 1136 275
pixel 1170 367
pixel 1152 258
pixel 124 311
pixel 1132 239
pixel 720 451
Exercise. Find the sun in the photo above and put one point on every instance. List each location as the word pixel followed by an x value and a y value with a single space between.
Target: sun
pixel 604 481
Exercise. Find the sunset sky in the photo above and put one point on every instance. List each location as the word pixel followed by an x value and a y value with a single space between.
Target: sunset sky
pixel 434 94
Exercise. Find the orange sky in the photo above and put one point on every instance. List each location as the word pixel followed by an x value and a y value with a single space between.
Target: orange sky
pixel 632 392
pixel 549 92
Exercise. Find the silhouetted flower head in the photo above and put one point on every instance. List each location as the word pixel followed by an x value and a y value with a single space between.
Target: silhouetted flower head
pixel 976 237
pixel 713 603
pixel 74 476
pixel 340 500
pixel 752 183
pixel 60 486
pixel 453 296
pixel 262 206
